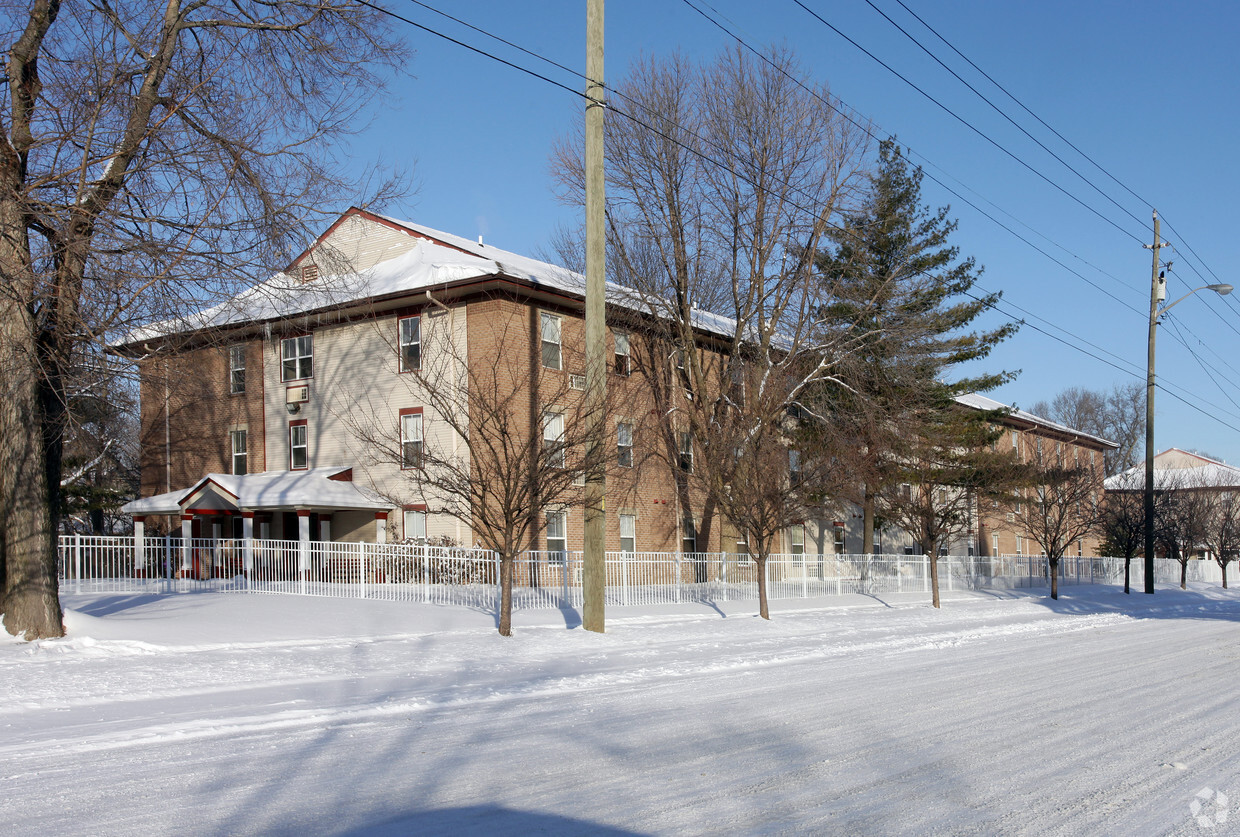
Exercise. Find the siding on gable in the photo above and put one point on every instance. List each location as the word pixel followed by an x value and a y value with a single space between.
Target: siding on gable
pixel 358 244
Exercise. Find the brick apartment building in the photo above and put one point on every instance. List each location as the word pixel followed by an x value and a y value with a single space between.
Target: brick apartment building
pixel 259 416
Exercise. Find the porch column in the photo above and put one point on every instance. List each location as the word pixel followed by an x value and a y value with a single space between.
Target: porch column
pixel 303 540
pixel 247 544
pixel 139 546
pixel 325 528
pixel 187 533
pixel 381 527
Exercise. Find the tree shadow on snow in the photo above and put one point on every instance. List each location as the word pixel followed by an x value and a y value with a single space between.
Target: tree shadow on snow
pixel 485 821
pixel 1197 602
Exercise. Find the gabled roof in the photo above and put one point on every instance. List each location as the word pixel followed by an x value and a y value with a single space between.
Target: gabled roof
pixel 316 488
pixel 1204 472
pixel 981 402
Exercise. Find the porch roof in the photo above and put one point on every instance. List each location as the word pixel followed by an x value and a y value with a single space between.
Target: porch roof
pixel 316 488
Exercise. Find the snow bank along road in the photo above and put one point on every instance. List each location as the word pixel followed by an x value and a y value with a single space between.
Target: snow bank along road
pixel 218 714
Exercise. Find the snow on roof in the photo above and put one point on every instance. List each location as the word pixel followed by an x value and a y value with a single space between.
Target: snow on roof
pixel 981 402
pixel 435 260
pixel 313 488
pixel 1210 474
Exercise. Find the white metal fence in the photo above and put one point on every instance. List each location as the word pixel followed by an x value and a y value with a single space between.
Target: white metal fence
pixel 470 577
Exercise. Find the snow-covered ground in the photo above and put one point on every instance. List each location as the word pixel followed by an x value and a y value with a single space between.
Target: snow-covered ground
pixel 999 714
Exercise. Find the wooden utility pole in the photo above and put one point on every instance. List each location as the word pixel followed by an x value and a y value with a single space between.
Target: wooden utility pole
pixel 594 571
pixel 1158 292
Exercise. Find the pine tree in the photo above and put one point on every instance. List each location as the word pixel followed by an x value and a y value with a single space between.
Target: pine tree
pixel 896 281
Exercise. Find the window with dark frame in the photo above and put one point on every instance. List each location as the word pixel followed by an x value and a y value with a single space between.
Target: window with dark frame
pixel 411 438
pixel 297 358
pixel 237 444
pixel 236 370
pixel 551 341
pixel 410 335
pixel 688 535
pixel 298 445
pixel 624 444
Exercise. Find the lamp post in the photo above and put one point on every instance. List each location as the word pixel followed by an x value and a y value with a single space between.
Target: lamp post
pixel 1158 292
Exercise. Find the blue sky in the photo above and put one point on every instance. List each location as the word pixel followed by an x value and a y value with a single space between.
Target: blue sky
pixel 1148 90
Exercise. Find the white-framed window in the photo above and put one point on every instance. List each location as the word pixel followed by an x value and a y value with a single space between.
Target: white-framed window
pixel 297 358
pixel 686 452
pixel 1015 439
pixel 410 335
pixel 237 445
pixel 236 369
pixel 411 438
pixel 1020 545
pixel 794 467
pixel 551 341
pixel 557 536
pixel 742 549
pixel 622 363
pixel 688 534
pixel 415 525
pixel 553 438
pixel 624 444
pixel 994 545
pixel 628 533
pixel 796 542
pixel 298 445
pixel 839 540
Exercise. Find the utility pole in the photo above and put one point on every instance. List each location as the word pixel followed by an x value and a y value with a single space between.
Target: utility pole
pixel 1158 293
pixel 594 570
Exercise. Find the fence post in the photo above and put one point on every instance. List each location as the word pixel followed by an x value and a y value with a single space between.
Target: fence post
pixel 426 573
pixel 77 563
pixel 949 572
pixel 723 563
pixel 925 573
pixel 167 562
pixel 624 570
pixel 499 584
pixel 361 570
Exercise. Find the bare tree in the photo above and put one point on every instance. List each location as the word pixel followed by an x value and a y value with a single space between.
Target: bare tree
pixel 498 441
pixel 1122 524
pixel 1063 505
pixel 1117 415
pixel 721 187
pixel 151 156
pixel 1184 520
pixel 944 472
pixel 1222 531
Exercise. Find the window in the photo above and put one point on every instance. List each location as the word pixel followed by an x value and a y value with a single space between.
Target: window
pixel 742 549
pixel 551 341
pixel 237 443
pixel 415 525
pixel 236 369
pixel 296 356
pixel 624 445
pixel 688 537
pixel 686 452
pixel 796 542
pixel 298 445
pixel 557 537
pixel 410 329
pixel 628 533
pixel 794 467
pixel 1015 440
pixel 839 540
pixel 622 363
pixel 994 545
pixel 411 438
pixel 1020 545
pixel 553 438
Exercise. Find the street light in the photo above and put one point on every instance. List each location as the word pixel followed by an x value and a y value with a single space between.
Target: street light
pixel 1158 292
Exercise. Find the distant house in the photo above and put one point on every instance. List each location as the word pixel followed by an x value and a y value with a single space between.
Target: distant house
pixel 1179 469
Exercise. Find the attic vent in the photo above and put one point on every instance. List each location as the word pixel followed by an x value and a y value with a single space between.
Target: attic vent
pixel 309 272
pixel 577 382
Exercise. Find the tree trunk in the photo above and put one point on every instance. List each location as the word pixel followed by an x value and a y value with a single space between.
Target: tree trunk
pixel 1054 565
pixel 933 558
pixel 28 528
pixel 867 522
pixel 763 611
pixel 1127 572
pixel 505 595
pixel 1183 574
pixel 1223 566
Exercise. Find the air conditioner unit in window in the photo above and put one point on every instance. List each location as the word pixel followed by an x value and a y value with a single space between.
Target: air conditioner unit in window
pixel 294 397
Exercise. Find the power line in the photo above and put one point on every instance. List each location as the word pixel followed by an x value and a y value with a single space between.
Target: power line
pixel 964 121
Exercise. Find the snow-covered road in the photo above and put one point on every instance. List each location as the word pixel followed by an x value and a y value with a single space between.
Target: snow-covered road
pixel 233 714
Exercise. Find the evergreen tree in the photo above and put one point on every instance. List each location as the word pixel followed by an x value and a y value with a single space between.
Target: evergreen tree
pixel 897 283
